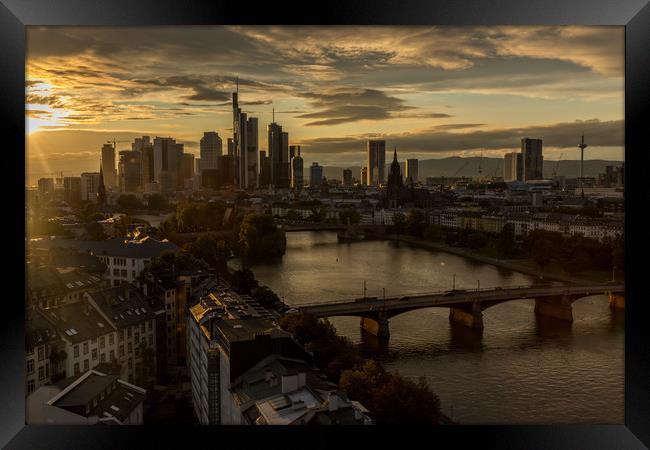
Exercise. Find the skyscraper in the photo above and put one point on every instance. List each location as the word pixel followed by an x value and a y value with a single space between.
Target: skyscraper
pixel 265 169
pixel 108 165
pixel 297 168
pixel 72 190
pixel 279 154
pixel 512 167
pixel 188 165
pixel 89 185
pixel 45 188
pixel 145 147
pixel 531 155
pixel 167 163
pixel 252 141
pixel 364 176
pixel 411 171
pixel 376 161
pixel 347 177
pixel 231 147
pixel 130 171
pixel 210 149
pixel 315 175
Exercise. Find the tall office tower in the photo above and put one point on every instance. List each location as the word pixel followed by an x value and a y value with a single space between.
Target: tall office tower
pixel 531 151
pixel 411 171
pixel 315 175
pixel 197 165
pixel 108 165
pixel 210 149
pixel 45 188
pixel 297 168
pixel 226 174
pixel 72 190
pixel 89 186
pixel 376 161
pixel 252 141
pixel 265 170
pixel 130 171
pixel 188 165
pixel 231 147
pixel 279 154
pixel 167 163
pixel 512 167
pixel 347 177
pixel 364 176
pixel 240 142
pixel 145 147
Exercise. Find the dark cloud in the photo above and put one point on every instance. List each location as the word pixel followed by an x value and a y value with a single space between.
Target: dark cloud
pixel 344 105
pixel 49 100
pixel 563 135
pixel 457 126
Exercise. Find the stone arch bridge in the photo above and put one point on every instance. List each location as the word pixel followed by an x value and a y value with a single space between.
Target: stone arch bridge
pixel 465 306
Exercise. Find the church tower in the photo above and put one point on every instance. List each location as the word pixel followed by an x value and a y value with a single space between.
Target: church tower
pixel 395 184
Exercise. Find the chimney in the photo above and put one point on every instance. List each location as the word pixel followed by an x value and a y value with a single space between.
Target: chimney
pixel 333 401
pixel 289 383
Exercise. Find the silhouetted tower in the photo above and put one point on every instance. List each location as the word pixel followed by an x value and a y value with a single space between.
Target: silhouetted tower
pixel 101 189
pixel 582 147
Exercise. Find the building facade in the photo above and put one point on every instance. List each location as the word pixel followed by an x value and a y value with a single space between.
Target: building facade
pixel 376 162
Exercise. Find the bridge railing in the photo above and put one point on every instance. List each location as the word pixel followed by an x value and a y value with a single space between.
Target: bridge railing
pixel 530 288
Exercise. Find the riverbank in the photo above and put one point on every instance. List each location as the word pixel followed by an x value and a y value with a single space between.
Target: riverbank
pixel 523 265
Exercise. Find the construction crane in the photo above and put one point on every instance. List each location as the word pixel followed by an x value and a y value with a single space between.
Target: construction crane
pixel 557 165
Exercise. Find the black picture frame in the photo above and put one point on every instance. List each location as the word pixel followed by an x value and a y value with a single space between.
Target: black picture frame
pixel 15 15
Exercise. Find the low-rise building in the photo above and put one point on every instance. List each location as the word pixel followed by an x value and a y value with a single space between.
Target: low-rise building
pixel 91 398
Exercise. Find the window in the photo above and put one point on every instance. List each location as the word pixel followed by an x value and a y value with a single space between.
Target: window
pixel 116 272
pixel 86 365
pixel 111 356
pixel 130 348
pixel 130 363
pixel 30 386
pixel 85 348
pixel 40 353
pixel 128 332
pixel 94 356
pixel 121 350
pixel 76 351
pixel 94 340
pixel 47 369
pixel 76 368
pixel 41 373
pixel 133 273
pixel 102 342
pixel 123 273
pixel 144 340
pixel 136 337
pixel 102 357
pixel 111 339
pixel 30 366
pixel 133 263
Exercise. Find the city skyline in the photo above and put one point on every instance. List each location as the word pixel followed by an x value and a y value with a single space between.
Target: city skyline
pixel 431 91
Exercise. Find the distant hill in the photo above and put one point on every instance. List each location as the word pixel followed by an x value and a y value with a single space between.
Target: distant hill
pixel 468 167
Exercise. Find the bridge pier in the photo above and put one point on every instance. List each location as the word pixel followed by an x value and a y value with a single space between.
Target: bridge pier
pixel 616 301
pixel 558 307
pixel 471 317
pixel 377 326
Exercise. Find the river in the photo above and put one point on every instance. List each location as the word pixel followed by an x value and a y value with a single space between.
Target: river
pixel 519 370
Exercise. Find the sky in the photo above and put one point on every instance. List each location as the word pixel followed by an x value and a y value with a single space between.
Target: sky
pixel 432 92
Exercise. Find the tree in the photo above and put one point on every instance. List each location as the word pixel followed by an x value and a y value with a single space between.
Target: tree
pixel 506 241
pixel 399 223
pixel 95 231
pixel 541 254
pixel 350 214
pixel 215 252
pixel 170 262
pixel 260 238
pixel 433 233
pixel 293 216
pixel 415 223
pixel 157 202
pixel 129 201
pixel 265 297
pixel 243 281
pixel 476 241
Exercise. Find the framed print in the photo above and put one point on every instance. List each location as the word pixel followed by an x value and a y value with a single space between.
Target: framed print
pixel 368 215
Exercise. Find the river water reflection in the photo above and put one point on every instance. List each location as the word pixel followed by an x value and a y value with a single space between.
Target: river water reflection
pixel 520 369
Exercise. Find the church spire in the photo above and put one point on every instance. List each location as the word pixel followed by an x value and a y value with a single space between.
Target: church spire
pixel 101 189
pixel 395 154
